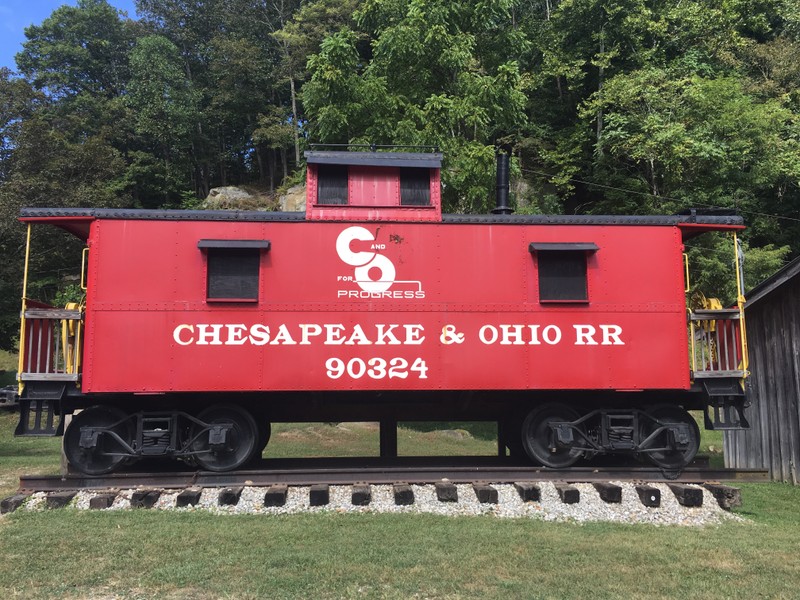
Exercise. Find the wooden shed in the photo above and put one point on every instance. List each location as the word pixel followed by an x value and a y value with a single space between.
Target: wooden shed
pixel 773 333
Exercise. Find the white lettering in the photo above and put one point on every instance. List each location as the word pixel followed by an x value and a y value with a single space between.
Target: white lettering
pixel 612 332
pixel 176 334
pixel 551 334
pixel 413 334
pixel 510 337
pixel 259 335
pixel 308 330
pixel 333 334
pixel 492 331
pixel 206 337
pixel 584 335
pixel 236 335
pixel 283 337
pixel 358 337
pixel 384 334
pixel 534 335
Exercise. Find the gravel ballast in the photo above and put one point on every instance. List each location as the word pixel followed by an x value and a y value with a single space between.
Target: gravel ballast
pixel 549 507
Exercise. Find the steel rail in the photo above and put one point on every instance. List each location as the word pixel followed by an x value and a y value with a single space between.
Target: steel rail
pixel 339 473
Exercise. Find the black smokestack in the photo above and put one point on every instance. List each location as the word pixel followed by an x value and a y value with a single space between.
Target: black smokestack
pixel 502 186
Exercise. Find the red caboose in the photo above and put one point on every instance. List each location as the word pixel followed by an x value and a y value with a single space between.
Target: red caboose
pixel 199 328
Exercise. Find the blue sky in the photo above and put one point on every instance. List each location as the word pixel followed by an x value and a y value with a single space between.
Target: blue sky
pixel 16 15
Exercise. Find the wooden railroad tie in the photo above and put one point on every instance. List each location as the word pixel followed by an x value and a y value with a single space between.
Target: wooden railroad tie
pixel 687 495
pixel 362 494
pixel 528 491
pixel 276 495
pixel 726 496
pixel 485 493
pixel 609 492
pixel 649 496
pixel 230 496
pixel 319 494
pixel 144 498
pixel 446 491
pixel 12 503
pixel 59 499
pixel 403 494
pixel 102 501
pixel 188 497
pixel 569 494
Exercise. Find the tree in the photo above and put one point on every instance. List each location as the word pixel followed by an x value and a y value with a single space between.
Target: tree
pixel 421 81
pixel 165 107
pixel 79 50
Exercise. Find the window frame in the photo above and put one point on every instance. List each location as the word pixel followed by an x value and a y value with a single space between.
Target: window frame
pixel 322 189
pixel 583 249
pixel 222 247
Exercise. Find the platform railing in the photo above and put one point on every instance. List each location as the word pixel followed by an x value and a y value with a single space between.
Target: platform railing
pixel 51 346
pixel 717 346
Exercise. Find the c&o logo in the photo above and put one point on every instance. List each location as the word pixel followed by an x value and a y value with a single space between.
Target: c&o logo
pixel 368 264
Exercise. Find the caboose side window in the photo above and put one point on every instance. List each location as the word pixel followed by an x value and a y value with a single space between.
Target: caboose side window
pixel 331 184
pixel 233 268
pixel 415 186
pixel 562 271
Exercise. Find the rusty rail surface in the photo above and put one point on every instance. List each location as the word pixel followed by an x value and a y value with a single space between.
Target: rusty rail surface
pixel 372 471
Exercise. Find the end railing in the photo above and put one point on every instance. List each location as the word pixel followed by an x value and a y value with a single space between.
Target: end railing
pixel 51 347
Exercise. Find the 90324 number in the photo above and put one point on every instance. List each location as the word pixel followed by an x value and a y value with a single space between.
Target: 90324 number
pixel 376 368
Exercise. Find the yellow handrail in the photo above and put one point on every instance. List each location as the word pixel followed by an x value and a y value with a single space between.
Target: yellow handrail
pixel 740 300
pixel 21 363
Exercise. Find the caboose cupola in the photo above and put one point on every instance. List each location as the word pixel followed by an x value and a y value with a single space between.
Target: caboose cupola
pixel 373 186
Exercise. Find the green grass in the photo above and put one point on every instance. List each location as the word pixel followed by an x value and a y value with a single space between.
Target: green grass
pixel 8 361
pixel 146 554
pixel 143 554
pixel 24 455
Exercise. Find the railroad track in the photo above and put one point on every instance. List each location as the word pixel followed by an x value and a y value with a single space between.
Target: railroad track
pixel 308 472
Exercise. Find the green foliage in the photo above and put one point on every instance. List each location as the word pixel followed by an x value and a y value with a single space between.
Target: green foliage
pixel 713 268
pixel 79 49
pixel 423 80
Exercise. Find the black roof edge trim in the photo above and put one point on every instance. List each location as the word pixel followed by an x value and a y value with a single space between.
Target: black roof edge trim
pixel 562 247
pixel 164 215
pixel 265 216
pixel 259 244
pixel 661 220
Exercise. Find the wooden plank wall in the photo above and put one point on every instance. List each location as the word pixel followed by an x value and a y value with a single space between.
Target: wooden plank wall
pixel 773 335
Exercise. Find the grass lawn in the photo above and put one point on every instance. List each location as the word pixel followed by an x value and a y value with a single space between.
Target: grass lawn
pixel 142 554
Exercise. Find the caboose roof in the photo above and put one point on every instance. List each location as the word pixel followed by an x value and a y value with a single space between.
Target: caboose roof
pixel 76 220
pixel 424 160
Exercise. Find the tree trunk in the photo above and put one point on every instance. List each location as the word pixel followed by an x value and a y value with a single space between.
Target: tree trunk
pixel 295 123
pixel 271 164
pixel 599 144
pixel 260 162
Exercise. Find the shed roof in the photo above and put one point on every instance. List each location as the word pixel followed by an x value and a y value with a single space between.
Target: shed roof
pixel 769 285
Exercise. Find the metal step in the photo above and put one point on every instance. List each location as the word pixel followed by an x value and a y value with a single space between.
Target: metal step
pixel 725 413
pixel 37 418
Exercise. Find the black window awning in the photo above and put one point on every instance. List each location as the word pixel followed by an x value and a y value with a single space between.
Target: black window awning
pixel 563 247
pixel 258 244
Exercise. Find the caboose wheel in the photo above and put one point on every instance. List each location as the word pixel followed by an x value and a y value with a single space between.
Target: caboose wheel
pixel 539 439
pixel 264 433
pixel 228 448
pixel 98 452
pixel 682 452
